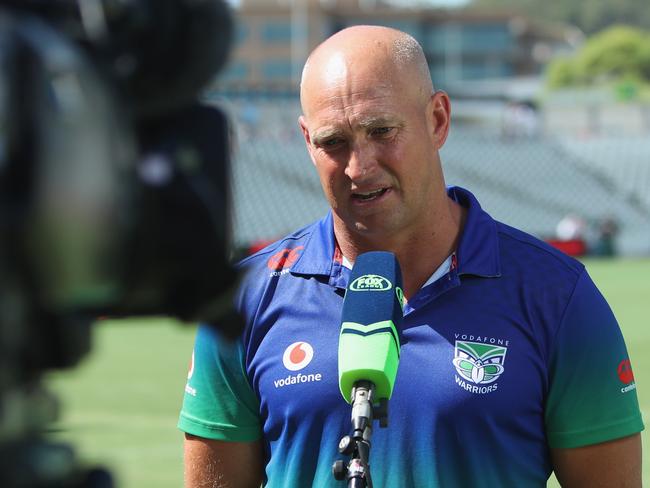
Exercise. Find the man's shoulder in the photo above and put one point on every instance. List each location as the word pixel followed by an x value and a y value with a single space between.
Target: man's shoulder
pixel 268 274
pixel 514 251
pixel 282 252
pixel 524 250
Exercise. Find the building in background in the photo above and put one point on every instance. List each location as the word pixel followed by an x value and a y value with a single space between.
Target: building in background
pixel 529 165
pixel 274 38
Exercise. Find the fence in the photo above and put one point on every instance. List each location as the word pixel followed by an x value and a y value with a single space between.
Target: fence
pixel 530 181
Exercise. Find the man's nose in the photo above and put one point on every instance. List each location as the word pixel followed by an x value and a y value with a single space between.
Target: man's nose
pixel 362 162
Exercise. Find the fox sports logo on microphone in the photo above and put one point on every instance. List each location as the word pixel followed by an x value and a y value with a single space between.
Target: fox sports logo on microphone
pixel 371 282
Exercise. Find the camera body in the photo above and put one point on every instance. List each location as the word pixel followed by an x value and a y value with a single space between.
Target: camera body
pixel 114 185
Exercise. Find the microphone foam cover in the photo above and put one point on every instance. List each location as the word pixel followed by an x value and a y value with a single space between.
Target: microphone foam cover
pixel 372 314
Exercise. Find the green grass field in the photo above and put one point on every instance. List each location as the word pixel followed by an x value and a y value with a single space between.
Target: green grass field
pixel 120 406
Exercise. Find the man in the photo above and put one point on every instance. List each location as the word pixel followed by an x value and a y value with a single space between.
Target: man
pixel 478 292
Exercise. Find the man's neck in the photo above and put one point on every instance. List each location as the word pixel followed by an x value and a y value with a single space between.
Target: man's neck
pixel 419 252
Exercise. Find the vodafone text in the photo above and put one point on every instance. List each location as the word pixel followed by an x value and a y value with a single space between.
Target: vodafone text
pixel 485 340
pixel 297 378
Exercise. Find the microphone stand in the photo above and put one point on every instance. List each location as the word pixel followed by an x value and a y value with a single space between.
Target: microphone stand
pixel 357 445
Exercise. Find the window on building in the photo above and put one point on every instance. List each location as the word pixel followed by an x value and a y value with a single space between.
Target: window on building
pixel 235 70
pixel 438 76
pixel 443 38
pixel 242 32
pixel 276 69
pixel 468 38
pixel 276 32
pixel 492 37
pixel 490 69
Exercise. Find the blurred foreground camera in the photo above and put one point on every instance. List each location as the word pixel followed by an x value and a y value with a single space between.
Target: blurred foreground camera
pixel 114 192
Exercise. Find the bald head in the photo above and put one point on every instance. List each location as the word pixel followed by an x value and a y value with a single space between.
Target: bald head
pixel 380 53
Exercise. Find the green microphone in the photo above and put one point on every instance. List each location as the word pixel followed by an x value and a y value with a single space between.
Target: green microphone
pixel 369 346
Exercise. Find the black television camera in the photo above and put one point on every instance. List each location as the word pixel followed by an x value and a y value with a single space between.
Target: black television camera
pixel 114 193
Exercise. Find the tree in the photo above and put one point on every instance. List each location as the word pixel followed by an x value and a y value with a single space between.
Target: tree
pixel 560 73
pixel 617 54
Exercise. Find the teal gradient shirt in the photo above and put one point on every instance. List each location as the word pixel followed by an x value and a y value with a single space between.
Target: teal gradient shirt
pixel 512 351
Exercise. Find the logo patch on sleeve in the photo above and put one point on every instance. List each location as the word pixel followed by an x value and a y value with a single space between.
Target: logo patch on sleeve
pixel 626 375
pixel 280 263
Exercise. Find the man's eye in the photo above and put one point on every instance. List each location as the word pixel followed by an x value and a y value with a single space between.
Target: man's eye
pixel 331 142
pixel 381 131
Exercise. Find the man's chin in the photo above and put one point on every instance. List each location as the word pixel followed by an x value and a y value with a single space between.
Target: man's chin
pixel 367 227
pixel 371 227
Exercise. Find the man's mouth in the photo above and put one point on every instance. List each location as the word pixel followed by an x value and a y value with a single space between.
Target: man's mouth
pixel 370 195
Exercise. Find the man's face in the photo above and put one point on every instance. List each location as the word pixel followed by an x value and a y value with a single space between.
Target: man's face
pixel 372 140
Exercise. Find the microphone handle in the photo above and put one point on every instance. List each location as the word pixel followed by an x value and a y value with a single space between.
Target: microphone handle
pixel 362 396
pixel 358 483
pixel 362 417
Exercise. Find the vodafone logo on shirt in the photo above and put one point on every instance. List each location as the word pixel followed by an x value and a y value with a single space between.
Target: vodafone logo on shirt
pixel 297 356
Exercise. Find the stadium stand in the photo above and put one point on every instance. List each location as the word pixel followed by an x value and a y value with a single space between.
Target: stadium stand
pixel 528 182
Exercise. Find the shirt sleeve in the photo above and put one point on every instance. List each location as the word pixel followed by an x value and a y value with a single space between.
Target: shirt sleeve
pixel 219 402
pixel 592 394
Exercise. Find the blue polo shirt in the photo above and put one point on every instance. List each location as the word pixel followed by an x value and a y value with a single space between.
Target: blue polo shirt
pixel 511 351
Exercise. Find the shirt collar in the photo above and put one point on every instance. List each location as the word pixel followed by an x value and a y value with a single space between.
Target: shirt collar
pixel 317 257
pixel 478 248
pixel 477 253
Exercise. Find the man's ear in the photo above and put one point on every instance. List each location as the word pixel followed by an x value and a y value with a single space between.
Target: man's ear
pixel 302 122
pixel 440 116
pixel 303 127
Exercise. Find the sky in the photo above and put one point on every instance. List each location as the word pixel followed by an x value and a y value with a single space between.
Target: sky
pixel 408 3
pixel 430 3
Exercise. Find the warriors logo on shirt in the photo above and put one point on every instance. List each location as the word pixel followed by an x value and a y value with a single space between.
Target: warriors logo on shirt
pixel 479 365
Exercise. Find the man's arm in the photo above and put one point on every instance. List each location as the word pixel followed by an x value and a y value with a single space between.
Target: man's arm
pixel 614 463
pixel 219 464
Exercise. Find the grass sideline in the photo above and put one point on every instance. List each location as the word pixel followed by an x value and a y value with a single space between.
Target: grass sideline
pixel 120 406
